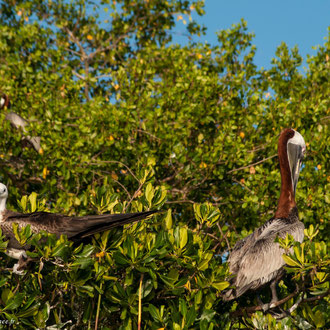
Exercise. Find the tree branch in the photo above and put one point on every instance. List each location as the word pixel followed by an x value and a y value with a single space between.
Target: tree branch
pixel 256 163
pixel 100 162
pixel 250 310
pixel 224 236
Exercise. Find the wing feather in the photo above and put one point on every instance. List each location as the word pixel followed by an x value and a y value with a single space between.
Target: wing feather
pixel 257 259
pixel 73 227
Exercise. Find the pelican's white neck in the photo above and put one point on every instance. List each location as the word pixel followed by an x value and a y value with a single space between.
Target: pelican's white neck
pixel 3 204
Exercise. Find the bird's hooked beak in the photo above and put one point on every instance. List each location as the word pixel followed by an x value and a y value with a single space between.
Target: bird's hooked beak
pixel 296 154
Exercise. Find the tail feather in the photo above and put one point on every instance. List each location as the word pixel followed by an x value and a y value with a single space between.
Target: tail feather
pixel 235 292
pixel 228 295
pixel 98 223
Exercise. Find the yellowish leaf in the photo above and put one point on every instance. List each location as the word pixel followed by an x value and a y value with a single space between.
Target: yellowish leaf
pixel 220 285
pixel 45 172
pixel 290 261
pixel 100 254
pixel 188 286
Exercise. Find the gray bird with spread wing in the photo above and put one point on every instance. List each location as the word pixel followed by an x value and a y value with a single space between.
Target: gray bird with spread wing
pixel 18 122
pixel 76 228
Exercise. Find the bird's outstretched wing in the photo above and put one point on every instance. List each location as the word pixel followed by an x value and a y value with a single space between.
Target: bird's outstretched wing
pixel 73 227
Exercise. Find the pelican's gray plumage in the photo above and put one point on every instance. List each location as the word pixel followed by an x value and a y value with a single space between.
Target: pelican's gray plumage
pixel 76 228
pixel 257 259
pixel 18 122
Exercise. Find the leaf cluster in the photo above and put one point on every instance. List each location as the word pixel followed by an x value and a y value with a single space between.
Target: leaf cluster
pixel 129 122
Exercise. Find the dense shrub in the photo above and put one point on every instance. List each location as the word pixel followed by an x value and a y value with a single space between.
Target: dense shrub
pixel 129 122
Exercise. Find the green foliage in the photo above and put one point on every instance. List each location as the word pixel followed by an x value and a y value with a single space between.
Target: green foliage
pixel 130 122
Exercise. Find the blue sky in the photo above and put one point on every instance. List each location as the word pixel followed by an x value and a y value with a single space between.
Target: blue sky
pixel 296 22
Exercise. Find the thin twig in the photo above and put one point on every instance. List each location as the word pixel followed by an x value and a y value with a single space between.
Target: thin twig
pixel 291 309
pixel 212 236
pixel 224 236
pixel 78 75
pixel 146 132
pixel 135 194
pixel 250 310
pixel 180 202
pixel 99 162
pixel 243 185
pixel 72 51
pixel 256 163
pixel 98 308
pixel 318 297
pixel 73 38
pixel 298 302
pixel 140 303
pixel 129 195
pixel 260 147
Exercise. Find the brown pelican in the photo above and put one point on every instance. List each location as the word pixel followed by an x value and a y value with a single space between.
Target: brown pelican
pixel 76 228
pixel 17 122
pixel 257 259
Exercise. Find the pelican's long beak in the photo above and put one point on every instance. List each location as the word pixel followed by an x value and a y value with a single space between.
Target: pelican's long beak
pixel 296 154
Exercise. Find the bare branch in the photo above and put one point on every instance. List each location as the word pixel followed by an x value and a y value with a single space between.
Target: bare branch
pixel 103 49
pixel 100 162
pixel 78 75
pixel 72 51
pixel 129 195
pixel 243 185
pixel 146 132
pixel 135 195
pixel 180 202
pixel 250 310
pixel 256 163
pixel 224 236
pixel 75 40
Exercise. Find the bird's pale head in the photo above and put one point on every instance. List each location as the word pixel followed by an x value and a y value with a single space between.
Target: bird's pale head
pixel 3 196
pixel 3 191
pixel 4 101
